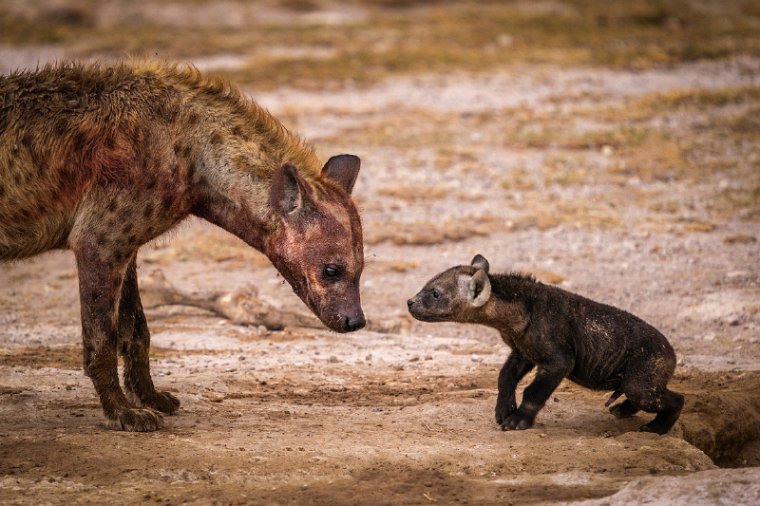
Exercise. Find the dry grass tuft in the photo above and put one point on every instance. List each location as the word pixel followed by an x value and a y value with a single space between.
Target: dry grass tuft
pixel 397 36
pixel 415 192
pixel 426 233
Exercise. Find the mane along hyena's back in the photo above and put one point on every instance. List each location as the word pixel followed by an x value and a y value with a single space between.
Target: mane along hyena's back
pixel 62 129
pixel 103 160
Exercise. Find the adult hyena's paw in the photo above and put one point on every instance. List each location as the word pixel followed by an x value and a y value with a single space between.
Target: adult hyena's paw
pixel 504 408
pixel 517 421
pixel 137 420
pixel 164 402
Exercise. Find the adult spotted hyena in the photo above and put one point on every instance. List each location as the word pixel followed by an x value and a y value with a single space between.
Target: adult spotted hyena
pixel 102 160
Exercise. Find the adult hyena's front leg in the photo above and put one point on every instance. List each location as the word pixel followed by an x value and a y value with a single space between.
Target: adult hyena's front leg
pixel 134 347
pixel 101 274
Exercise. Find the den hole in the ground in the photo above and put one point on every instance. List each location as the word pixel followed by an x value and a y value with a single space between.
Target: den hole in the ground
pixel 721 415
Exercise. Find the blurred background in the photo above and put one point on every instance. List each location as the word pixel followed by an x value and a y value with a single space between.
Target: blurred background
pixel 611 148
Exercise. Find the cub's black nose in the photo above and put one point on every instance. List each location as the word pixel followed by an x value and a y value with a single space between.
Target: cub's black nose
pixel 353 323
pixel 410 302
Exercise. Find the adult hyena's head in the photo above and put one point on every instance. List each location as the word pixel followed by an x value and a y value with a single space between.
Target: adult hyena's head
pixel 317 245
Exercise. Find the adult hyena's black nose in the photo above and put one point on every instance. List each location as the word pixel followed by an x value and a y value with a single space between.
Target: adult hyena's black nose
pixel 351 323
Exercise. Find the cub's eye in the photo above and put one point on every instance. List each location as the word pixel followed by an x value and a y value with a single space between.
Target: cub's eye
pixel 331 271
pixel 436 294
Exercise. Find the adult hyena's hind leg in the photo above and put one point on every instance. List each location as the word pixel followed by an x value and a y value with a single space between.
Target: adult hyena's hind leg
pixel 134 347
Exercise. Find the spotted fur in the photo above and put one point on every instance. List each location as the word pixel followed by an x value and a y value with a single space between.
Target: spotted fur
pixel 101 160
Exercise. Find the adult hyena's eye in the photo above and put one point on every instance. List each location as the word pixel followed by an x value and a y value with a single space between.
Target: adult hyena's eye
pixel 331 271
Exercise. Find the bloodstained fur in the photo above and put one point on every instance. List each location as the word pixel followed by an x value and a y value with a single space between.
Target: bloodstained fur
pixel 102 160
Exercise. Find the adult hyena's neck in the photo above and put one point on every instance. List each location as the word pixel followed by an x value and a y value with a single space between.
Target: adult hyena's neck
pixel 234 148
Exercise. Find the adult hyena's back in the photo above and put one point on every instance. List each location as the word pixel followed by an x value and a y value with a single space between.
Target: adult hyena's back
pixel 68 134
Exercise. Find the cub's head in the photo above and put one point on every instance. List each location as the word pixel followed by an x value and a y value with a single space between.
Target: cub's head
pixel 455 295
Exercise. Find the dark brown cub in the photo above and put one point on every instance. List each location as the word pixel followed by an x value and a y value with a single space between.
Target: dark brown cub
pixel 563 335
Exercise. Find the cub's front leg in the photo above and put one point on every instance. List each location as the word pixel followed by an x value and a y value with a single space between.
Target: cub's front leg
pixel 550 374
pixel 513 370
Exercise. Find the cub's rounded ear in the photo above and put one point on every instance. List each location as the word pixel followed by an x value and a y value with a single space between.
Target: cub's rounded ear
pixel 343 169
pixel 480 263
pixel 480 288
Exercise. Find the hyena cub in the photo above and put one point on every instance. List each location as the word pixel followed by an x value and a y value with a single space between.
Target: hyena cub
pixel 564 335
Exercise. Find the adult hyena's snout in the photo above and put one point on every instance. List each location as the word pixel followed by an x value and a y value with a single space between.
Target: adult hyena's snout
pixel 343 315
pixel 349 323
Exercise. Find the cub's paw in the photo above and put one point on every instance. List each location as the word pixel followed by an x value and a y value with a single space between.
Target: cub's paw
pixel 160 401
pixel 654 426
pixel 624 409
pixel 517 421
pixel 504 408
pixel 137 420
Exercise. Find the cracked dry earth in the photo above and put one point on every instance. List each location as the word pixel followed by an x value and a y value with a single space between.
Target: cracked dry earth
pixel 499 164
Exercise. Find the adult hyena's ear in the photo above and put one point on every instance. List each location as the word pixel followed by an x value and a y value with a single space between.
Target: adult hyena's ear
pixel 343 169
pixel 289 192
pixel 480 263
pixel 480 288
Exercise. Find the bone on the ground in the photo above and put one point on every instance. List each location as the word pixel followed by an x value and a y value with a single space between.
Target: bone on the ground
pixel 242 306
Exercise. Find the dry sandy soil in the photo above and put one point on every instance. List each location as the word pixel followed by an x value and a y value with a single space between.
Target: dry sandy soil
pixel 639 188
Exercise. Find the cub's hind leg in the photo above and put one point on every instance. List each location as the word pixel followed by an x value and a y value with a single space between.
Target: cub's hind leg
pixel 625 409
pixel 667 405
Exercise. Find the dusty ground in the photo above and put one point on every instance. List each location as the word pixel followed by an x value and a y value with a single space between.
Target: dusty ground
pixel 639 187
